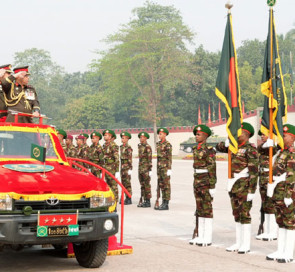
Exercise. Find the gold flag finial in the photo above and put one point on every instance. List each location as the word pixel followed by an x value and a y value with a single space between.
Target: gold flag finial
pixel 229 5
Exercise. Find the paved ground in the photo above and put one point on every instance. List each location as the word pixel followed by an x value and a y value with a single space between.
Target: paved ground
pixel 160 238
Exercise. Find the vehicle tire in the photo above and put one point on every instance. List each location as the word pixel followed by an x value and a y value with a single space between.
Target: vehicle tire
pixel 91 254
pixel 189 149
pixel 59 246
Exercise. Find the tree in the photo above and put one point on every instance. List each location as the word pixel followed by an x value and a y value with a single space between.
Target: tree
pixel 147 59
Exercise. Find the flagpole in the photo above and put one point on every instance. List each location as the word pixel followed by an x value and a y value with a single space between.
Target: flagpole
pixel 271 96
pixel 291 83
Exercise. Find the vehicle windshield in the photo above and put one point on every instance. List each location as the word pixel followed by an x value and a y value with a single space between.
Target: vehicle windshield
pixel 17 144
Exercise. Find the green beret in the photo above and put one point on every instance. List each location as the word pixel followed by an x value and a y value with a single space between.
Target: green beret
pixel 62 132
pixel 260 133
pixel 163 129
pixel 110 132
pixel 85 135
pixel 202 128
pixel 290 129
pixel 248 127
pixel 96 133
pixel 125 133
pixel 145 134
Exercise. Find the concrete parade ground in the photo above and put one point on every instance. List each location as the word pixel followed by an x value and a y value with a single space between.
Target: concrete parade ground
pixel 160 238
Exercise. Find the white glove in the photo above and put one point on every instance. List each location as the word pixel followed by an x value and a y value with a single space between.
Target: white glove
pixel 150 173
pixel 226 143
pixel 212 192
pixel 268 143
pixel 250 197
pixel 129 172
pixel 288 201
pixel 169 172
pixel 117 175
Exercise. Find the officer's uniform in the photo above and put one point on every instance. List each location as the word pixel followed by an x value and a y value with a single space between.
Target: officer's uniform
pixel 111 161
pixel 282 192
pixel 3 106
pixel 241 188
pixel 20 98
pixel 95 154
pixel 164 163
pixel 126 166
pixel 144 171
pixel 204 186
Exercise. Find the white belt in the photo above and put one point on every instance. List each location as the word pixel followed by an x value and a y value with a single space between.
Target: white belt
pixel 201 171
pixel 265 169
pixel 278 179
pixel 243 174
pixel 271 186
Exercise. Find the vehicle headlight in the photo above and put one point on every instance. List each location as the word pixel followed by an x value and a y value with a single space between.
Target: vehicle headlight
pixel 101 201
pixel 6 203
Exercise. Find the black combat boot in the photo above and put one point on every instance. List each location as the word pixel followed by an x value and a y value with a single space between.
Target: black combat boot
pixel 127 201
pixel 164 206
pixel 140 204
pixel 146 204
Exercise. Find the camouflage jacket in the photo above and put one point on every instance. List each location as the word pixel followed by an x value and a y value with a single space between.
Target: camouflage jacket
pixel 82 152
pixel 247 156
pixel 111 156
pixel 285 163
pixel 71 151
pixel 95 154
pixel 164 154
pixel 126 157
pixel 204 158
pixel 264 159
pixel 145 158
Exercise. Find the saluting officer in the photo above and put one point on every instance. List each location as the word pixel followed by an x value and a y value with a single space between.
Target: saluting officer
pixel 95 153
pixel 19 96
pixel 3 107
pixel 145 170
pixel 164 163
pixel 242 186
pixel 204 184
pixel 126 164
pixel 111 159
pixel 282 192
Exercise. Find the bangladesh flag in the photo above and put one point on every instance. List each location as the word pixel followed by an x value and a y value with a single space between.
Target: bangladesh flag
pixel 38 152
pixel 228 87
pixel 272 86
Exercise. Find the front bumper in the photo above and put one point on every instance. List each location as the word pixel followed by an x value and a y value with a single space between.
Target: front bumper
pixel 20 229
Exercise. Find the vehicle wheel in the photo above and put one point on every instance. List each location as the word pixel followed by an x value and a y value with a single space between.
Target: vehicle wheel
pixel 58 246
pixel 91 254
pixel 189 149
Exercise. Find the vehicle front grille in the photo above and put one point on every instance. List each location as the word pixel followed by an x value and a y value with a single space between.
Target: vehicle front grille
pixel 43 205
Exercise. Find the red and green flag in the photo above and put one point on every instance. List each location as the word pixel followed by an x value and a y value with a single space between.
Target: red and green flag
pixel 228 87
pixel 272 86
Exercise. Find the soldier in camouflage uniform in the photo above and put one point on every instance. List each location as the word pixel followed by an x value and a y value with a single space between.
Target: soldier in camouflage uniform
pixel 70 148
pixel 126 164
pixel 145 170
pixel 111 159
pixel 267 206
pixel 62 135
pixel 95 153
pixel 242 186
pixel 82 150
pixel 86 136
pixel 204 184
pixel 282 192
pixel 3 106
pixel 164 163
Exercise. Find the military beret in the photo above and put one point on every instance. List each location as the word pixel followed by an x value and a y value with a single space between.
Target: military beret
pixel 7 67
pixel 110 132
pixel 202 128
pixel 80 137
pixel 62 132
pixel 260 133
pixel 125 133
pixel 165 130
pixel 70 137
pixel 95 133
pixel 145 134
pixel 248 127
pixel 290 129
pixel 21 69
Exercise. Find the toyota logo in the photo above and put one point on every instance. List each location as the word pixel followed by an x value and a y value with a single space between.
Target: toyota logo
pixel 52 201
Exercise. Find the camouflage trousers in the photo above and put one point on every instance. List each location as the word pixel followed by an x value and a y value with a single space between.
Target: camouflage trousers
pixel 267 204
pixel 285 215
pixel 112 183
pixel 241 207
pixel 203 201
pixel 95 171
pixel 145 184
pixel 126 180
pixel 164 183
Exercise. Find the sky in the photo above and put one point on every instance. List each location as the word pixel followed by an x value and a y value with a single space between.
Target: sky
pixel 72 30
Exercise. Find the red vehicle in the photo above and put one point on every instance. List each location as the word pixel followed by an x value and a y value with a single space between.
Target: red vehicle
pixel 51 202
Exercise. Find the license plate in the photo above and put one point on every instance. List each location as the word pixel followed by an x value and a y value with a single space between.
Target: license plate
pixel 57 231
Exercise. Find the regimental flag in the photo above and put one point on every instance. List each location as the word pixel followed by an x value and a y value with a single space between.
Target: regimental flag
pixel 278 102
pixel 228 87
pixel 38 152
